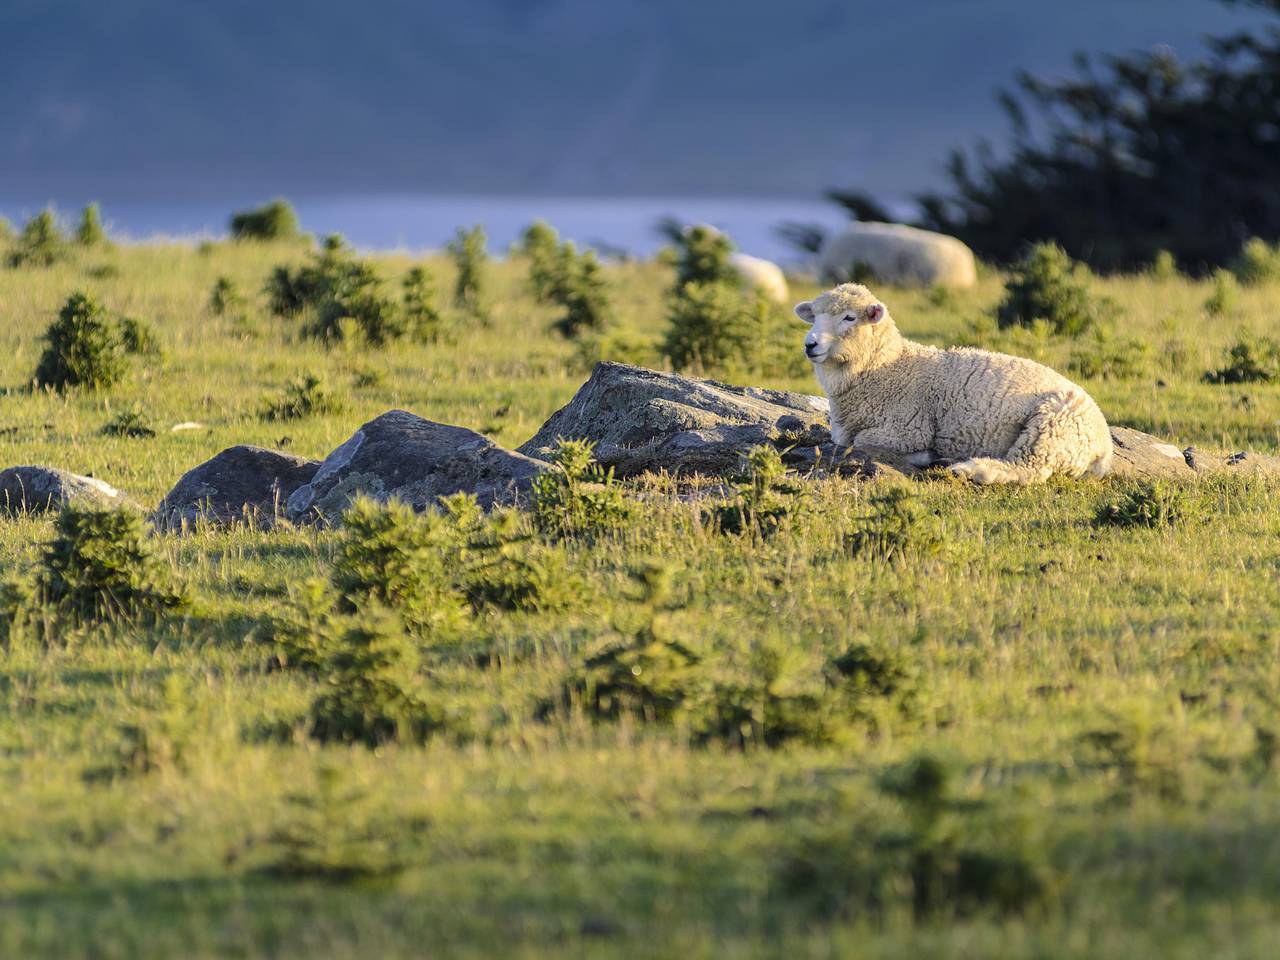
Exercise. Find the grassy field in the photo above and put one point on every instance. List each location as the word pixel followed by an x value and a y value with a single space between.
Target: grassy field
pixel 1058 738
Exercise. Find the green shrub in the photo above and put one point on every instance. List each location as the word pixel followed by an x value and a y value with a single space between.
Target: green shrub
pixel 1111 358
pixel 345 296
pixel 272 221
pixel 580 291
pixel 764 498
pixel 390 556
pixel 499 566
pixel 1147 504
pixel 1258 263
pixel 715 326
pixel 226 298
pixel 1164 266
pixel 541 245
pixel 1225 296
pixel 85 348
pixel 138 337
pixel 470 258
pixel 618 344
pixel 40 244
pixel 896 528
pixel 702 258
pixel 1048 285
pixel 1249 360
pixel 129 423
pixel 303 396
pixel 422 320
pixel 577 497
pixel 100 566
pixel 370 690
pixel 89 231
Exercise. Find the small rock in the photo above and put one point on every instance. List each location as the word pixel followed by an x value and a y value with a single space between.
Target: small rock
pixel 40 489
pixel 1141 455
pixel 240 483
pixel 404 457
pixel 186 425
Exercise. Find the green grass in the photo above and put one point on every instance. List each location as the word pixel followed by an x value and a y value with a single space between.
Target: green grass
pixel 1102 699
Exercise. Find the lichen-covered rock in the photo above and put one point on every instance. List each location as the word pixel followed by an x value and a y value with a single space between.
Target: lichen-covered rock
pixel 404 457
pixel 242 483
pixel 645 420
pixel 33 489
pixel 898 255
pixel 1138 454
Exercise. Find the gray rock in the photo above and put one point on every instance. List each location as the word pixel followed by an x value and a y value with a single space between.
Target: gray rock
pixel 240 483
pixel 1141 455
pixel 41 489
pixel 404 457
pixel 1242 463
pixel 646 420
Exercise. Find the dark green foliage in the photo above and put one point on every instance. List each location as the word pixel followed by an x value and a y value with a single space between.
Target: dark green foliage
pixel 344 294
pixel 764 500
pixel 1132 155
pixel 226 298
pixel 470 258
pixel 1249 360
pixel 138 337
pixel 303 396
pixel 272 221
pixel 1111 358
pixel 1258 263
pixel 895 529
pixel 716 326
pixel 577 497
pixel 1226 293
pixel 129 423
pixel 100 566
pixel 41 243
pixel 86 347
pixel 370 690
pixel 1048 285
pixel 702 257
pixel 541 245
pixel 578 288
pixel 89 231
pixel 1147 504
pixel 422 320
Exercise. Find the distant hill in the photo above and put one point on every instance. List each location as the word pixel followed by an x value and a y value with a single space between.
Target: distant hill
pixel 529 96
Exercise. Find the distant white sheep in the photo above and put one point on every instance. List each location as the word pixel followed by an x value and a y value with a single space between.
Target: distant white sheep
pixel 993 417
pixel 763 275
pixel 897 255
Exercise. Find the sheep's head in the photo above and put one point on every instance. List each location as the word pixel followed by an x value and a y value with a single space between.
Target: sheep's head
pixel 845 322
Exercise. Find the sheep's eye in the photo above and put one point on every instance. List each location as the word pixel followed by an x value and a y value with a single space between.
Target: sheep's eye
pixel 849 318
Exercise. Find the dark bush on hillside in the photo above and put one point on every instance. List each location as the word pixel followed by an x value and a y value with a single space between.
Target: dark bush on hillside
pixel 896 528
pixel 422 320
pixel 129 423
pixel 765 497
pixel 226 298
pixel 1147 504
pixel 470 258
pixel 702 257
pixel 1108 357
pixel 577 497
pixel 1225 296
pixel 303 396
pixel 1048 285
pixel 272 221
pixel 1249 360
pixel 541 245
pixel 717 326
pixel 86 347
pixel 90 232
pixel 41 243
pixel 138 337
pixel 580 291
pixel 100 566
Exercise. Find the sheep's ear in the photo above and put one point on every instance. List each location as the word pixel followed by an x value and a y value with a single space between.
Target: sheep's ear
pixel 804 311
pixel 875 313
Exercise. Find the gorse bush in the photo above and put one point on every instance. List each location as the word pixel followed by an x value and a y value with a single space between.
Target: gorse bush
pixel 41 243
pixel 89 231
pixel 344 295
pixel 272 221
pixel 702 257
pixel 579 289
pixel 1225 296
pixel 577 497
pixel 1148 504
pixel 1108 357
pixel 225 298
pixel 716 325
pixel 1258 263
pixel 470 258
pixel 1048 285
pixel 99 566
pixel 541 245
pixel 129 423
pixel 422 320
pixel 765 497
pixel 137 337
pixel 1250 359
pixel 85 347
pixel 896 528
pixel 303 396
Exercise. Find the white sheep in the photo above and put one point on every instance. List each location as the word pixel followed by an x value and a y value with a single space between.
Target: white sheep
pixel 993 417
pixel 898 255
pixel 764 275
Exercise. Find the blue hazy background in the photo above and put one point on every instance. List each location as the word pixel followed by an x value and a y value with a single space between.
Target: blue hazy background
pixel 395 121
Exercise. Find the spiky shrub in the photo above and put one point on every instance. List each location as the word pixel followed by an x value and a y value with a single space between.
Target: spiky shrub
pixel 540 244
pixel 129 423
pixel 1250 359
pixel 1258 263
pixel 579 289
pixel 225 298
pixel 577 497
pixel 1108 357
pixel 370 690
pixel 85 347
pixel 272 221
pixel 303 396
pixel 344 295
pixel 1225 296
pixel 41 243
pixel 100 566
pixel 1048 285
pixel 89 231
pixel 896 528
pixel 391 556
pixel 716 325
pixel 470 258
pixel 422 320
pixel 702 257
pixel 138 337
pixel 764 499
pixel 1147 504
